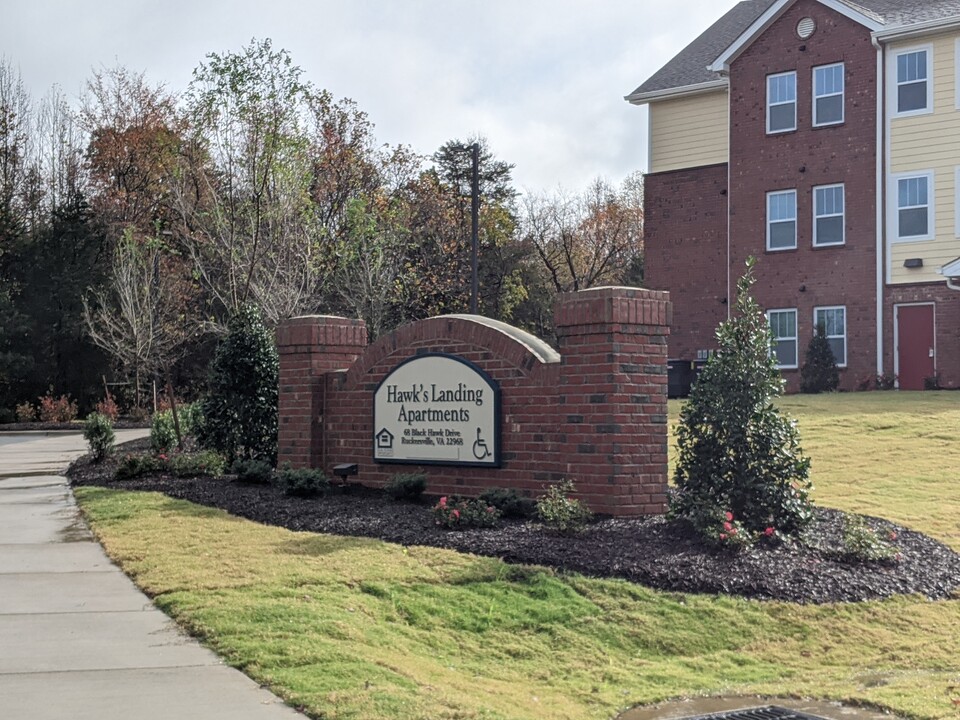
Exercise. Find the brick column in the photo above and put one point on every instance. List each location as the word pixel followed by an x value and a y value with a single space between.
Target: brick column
pixel 613 396
pixel 310 347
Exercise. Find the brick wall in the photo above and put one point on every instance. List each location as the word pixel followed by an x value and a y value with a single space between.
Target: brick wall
pixel 809 277
pixel 685 246
pixel 596 414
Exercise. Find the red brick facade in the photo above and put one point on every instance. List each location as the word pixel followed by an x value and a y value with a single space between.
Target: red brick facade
pixel 685 223
pixel 808 157
pixel 687 230
pixel 596 414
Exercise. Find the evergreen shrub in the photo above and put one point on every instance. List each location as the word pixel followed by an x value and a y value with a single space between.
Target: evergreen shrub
pixel 819 373
pixel 509 502
pixel 738 455
pixel 562 513
pixel 406 486
pixel 98 432
pixel 302 482
pixel 240 407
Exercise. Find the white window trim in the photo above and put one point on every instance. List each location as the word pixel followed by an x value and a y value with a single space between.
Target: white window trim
pixel 894 215
pixel 846 350
pixel 842 94
pixel 843 239
pixel 894 85
pixel 795 338
pixel 768 104
pixel 795 227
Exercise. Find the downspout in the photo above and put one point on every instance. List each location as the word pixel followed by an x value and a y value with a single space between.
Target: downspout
pixel 880 201
pixel 951 285
pixel 729 163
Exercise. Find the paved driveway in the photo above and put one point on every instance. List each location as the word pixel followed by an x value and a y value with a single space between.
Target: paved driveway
pixel 77 639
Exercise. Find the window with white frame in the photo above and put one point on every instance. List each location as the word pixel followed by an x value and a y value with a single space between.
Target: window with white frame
pixel 781 102
pixel 833 320
pixel 782 220
pixel 913 81
pixel 783 327
pixel 828 95
pixel 828 215
pixel 914 219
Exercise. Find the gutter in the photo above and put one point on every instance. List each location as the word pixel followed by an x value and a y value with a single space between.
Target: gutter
pixel 652 96
pixel 916 29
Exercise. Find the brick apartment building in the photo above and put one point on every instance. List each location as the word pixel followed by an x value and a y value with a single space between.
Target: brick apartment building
pixel 823 138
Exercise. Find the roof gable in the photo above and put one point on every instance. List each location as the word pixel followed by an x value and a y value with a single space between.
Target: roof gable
pixel 700 64
pixel 772 13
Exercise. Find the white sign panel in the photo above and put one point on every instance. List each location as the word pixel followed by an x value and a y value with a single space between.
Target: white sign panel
pixel 437 409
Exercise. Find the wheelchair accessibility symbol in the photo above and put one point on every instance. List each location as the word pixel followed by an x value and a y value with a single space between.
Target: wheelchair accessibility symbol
pixel 480 449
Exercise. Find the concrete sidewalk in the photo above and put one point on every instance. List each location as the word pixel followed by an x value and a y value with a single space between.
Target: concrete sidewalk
pixel 77 639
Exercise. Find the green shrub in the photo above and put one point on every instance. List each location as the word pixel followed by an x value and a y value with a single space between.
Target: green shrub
pixel 819 373
pixel 163 437
pixel 458 513
pixel 252 471
pixel 406 486
pixel 240 407
pixel 163 434
pixel 132 466
pixel 862 543
pixel 206 463
pixel 302 482
pixel 736 452
pixel 98 432
pixel 510 503
pixel 560 512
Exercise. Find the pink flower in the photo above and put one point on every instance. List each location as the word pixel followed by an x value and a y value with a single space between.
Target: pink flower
pixel 768 532
pixel 489 508
pixel 727 526
pixel 729 516
pixel 456 514
pixel 893 535
pixel 733 532
pixel 162 456
pixel 443 502
pixel 723 536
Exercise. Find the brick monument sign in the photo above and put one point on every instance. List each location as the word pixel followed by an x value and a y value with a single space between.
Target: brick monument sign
pixel 474 403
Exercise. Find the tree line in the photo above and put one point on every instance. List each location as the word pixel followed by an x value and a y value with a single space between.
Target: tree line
pixel 135 222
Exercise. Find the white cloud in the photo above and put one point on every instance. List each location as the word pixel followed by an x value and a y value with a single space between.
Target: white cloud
pixel 543 80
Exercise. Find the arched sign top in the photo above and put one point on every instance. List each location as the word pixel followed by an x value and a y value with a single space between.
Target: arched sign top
pixel 437 409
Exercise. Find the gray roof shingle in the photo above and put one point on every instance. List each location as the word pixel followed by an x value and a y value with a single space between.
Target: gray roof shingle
pixel 690 65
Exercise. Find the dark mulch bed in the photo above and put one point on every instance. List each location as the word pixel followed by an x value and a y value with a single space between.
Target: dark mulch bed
pixel 650 551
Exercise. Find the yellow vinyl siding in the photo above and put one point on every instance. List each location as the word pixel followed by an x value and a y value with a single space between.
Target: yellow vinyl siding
pixel 689 132
pixel 928 142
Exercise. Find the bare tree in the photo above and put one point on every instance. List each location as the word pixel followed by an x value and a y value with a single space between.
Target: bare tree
pixel 589 239
pixel 143 320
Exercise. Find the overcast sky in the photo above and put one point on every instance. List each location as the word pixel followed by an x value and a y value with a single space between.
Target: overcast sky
pixel 542 80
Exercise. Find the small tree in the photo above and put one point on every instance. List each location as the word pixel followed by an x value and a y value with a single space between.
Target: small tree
pixel 240 408
pixel 740 464
pixel 819 373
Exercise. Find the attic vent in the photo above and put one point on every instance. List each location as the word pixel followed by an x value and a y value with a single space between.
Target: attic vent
pixel 806 28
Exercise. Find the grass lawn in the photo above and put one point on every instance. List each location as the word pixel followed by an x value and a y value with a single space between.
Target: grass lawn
pixel 356 628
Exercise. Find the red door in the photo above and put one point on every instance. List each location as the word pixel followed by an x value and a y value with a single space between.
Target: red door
pixel 915 349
